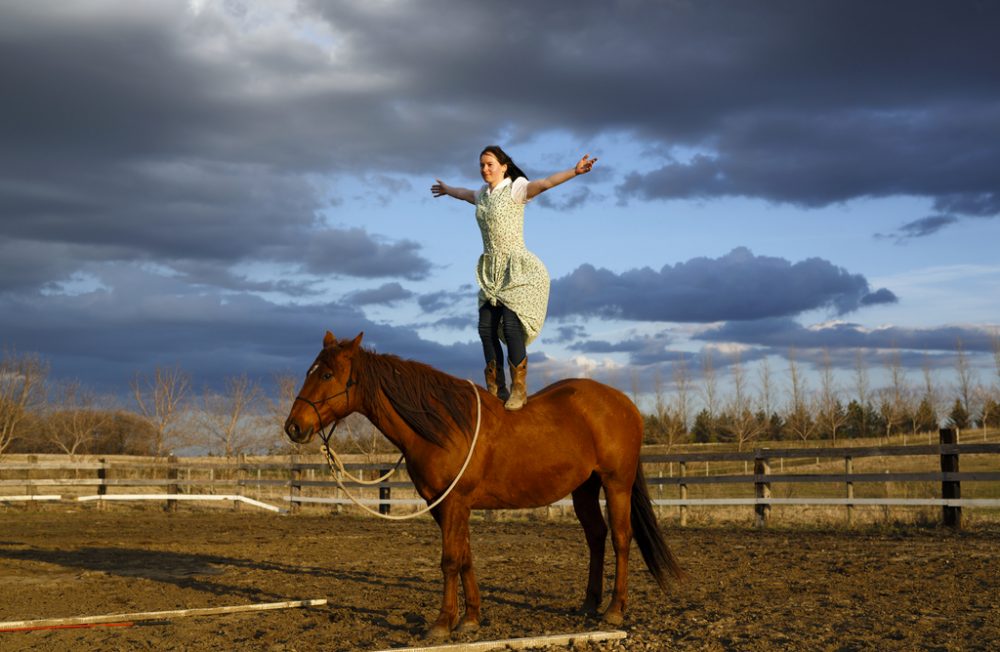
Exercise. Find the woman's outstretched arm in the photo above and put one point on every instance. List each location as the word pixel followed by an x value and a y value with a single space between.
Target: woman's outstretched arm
pixel 537 187
pixel 441 189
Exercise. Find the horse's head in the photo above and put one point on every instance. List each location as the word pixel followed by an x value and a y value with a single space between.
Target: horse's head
pixel 326 394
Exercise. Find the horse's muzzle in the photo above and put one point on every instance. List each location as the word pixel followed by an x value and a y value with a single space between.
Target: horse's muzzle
pixel 296 434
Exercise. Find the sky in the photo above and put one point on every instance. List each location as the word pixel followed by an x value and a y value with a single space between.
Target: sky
pixel 211 185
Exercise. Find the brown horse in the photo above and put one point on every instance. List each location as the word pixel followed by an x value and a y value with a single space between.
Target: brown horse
pixel 575 436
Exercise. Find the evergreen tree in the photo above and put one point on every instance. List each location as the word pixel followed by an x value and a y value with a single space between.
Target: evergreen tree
pixel 854 427
pixel 926 417
pixel 703 431
pixel 959 416
pixel 776 427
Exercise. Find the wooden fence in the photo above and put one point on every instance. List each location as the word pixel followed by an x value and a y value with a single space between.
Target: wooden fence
pixel 292 483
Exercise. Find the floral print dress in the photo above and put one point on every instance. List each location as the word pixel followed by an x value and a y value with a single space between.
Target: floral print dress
pixel 507 272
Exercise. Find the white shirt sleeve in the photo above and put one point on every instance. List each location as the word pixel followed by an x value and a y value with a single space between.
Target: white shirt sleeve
pixel 519 190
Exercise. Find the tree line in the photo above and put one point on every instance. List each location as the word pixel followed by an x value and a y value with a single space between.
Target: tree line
pixel 162 414
pixel 759 406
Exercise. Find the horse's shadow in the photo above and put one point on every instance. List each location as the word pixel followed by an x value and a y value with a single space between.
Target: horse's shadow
pixel 203 572
pixel 195 571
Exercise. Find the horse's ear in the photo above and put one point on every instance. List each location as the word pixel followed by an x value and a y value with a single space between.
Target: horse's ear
pixel 357 340
pixel 329 340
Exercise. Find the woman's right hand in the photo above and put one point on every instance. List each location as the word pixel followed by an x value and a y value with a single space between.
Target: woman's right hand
pixel 439 189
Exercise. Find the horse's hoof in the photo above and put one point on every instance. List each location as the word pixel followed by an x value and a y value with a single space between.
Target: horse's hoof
pixel 613 618
pixel 467 626
pixel 437 633
pixel 588 610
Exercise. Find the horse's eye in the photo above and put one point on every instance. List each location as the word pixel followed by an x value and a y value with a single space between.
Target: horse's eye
pixel 327 376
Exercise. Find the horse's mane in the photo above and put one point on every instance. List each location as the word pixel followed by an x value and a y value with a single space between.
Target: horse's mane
pixel 431 402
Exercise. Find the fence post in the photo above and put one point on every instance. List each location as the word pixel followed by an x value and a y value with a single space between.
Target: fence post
pixel 29 488
pixel 682 471
pixel 294 485
pixel 762 489
pixel 849 469
pixel 384 493
pixel 952 515
pixel 172 488
pixel 102 489
pixel 241 472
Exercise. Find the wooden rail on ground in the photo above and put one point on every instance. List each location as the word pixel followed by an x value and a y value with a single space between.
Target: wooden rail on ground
pixel 298 482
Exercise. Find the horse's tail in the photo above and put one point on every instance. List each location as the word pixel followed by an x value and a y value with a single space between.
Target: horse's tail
pixel 659 560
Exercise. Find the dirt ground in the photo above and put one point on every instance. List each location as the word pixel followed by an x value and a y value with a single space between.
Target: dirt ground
pixel 777 589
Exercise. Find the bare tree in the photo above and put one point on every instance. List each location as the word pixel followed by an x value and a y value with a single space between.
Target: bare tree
pixel 928 408
pixel 766 385
pixel 996 354
pixel 709 385
pixel 74 425
pixel 744 425
pixel 22 390
pixel 930 391
pixel 987 407
pixel 831 413
pixel 861 393
pixel 160 399
pixel 660 418
pixel 800 419
pixel 634 385
pixel 682 400
pixel 896 401
pixel 227 417
pixel 964 377
pixel 277 408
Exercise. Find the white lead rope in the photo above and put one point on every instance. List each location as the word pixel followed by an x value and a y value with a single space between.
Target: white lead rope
pixel 332 458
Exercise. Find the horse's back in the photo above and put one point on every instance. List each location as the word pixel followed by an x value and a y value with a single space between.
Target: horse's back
pixel 566 432
pixel 595 402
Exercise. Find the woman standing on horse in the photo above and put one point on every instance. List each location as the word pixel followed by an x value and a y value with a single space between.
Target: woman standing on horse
pixel 513 282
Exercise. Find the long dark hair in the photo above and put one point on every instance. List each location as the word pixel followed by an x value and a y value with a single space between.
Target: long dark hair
pixel 513 172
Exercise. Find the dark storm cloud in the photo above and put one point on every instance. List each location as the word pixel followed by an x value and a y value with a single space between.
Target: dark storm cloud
pixel 445 299
pixel 737 286
pixel 142 320
pixel 578 197
pixel 922 227
pixel 641 349
pixel 386 294
pixel 357 253
pixel 454 323
pixel 565 333
pixel 152 134
pixel 170 132
pixel 782 334
pixel 809 103
pixel 184 121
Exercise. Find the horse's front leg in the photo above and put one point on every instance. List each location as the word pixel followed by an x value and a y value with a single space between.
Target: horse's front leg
pixel 456 559
pixel 470 621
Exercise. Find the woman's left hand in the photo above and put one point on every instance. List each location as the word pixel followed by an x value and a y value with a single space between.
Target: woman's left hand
pixel 585 165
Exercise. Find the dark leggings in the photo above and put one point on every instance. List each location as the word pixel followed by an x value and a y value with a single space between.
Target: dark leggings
pixel 489 333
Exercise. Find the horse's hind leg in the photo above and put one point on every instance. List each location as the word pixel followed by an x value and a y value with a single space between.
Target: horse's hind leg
pixel 587 506
pixel 619 497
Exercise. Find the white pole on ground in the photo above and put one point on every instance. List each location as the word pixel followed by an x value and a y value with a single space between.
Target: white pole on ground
pixel 154 615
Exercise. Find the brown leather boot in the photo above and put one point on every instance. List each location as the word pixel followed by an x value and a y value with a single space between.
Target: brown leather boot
pixel 495 383
pixel 518 386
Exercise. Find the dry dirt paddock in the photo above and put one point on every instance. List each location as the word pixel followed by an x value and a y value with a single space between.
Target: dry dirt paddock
pixel 778 589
